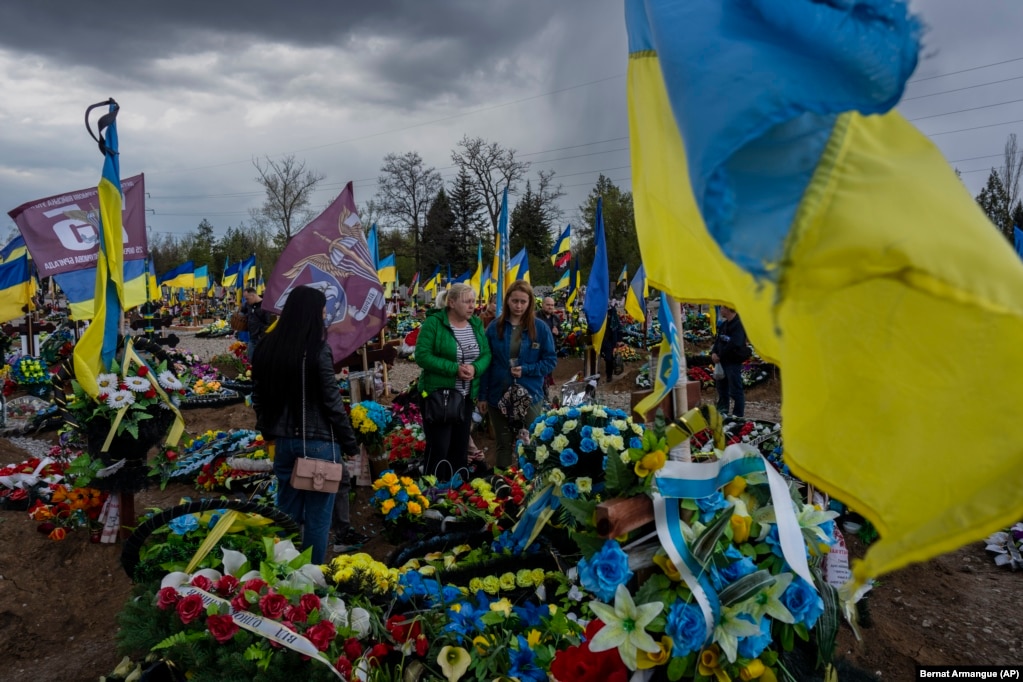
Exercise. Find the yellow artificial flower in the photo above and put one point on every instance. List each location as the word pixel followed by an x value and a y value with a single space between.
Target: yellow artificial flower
pixel 646 660
pixel 524 578
pixel 668 566
pixel 386 506
pixel 709 664
pixel 394 489
pixel 406 481
pixel 752 670
pixel 651 462
pixel 735 487
pixel 533 638
pixel 413 490
pixel 503 606
pixel 491 585
pixel 507 581
pixel 740 528
pixel 475 585
pixel 389 478
pixel 414 509
pixel 482 644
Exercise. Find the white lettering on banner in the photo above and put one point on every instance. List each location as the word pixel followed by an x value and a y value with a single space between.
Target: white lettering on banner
pixel 269 629
pixel 79 231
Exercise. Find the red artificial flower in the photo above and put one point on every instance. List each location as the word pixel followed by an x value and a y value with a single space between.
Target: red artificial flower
pixel 221 627
pixel 202 582
pixel 403 629
pixel 296 614
pixel 151 393
pixel 379 652
pixel 142 371
pixel 167 598
pixel 171 455
pixel 256 585
pixel 344 666
pixel 190 608
pixel 353 648
pixel 226 586
pixel 273 604
pixel 309 602
pixel 321 634
pixel 422 645
pixel 240 603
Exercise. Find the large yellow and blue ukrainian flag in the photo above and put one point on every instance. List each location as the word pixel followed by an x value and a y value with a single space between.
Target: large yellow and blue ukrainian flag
pixel 499 270
pixel 765 148
pixel 561 252
pixel 94 352
pixel 230 278
pixel 635 297
pixel 596 301
pixel 387 270
pixel 201 277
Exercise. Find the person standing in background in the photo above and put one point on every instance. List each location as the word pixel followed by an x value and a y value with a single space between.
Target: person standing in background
pixel 731 350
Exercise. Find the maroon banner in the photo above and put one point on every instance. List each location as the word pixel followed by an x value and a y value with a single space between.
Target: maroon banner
pixel 62 231
pixel 331 254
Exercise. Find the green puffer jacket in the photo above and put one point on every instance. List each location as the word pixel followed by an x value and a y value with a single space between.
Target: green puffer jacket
pixel 436 353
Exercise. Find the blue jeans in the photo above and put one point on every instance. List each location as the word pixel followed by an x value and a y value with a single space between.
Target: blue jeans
pixel 309 509
pixel 731 387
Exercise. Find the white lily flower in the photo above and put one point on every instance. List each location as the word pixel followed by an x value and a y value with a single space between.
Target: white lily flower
pixel 625 626
pixel 334 610
pixel 358 620
pixel 730 628
pixel 284 552
pixel 233 561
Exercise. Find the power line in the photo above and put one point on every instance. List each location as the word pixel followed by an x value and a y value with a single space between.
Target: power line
pixel 972 68
pixel 968 87
pixel 963 130
pixel 960 111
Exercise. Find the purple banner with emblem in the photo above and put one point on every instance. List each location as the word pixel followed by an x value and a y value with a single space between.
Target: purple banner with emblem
pixel 331 254
pixel 62 231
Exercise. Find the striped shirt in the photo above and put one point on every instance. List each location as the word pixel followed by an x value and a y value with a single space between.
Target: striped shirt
pixel 468 352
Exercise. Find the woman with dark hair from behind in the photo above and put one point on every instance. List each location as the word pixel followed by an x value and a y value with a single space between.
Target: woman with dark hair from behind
pixel 313 424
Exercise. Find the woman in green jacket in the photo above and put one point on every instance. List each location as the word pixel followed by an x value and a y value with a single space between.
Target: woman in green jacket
pixel 453 351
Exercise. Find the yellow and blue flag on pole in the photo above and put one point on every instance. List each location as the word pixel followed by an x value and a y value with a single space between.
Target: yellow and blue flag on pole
pixel 434 281
pixel 16 286
pixel 476 281
pixel 230 278
pixel 596 302
pixel 95 350
pixel 247 272
pixel 372 241
pixel 623 277
pixel 183 276
pixel 201 277
pixel 561 252
pixel 518 268
pixel 635 297
pixel 574 282
pixel 153 292
pixel 15 249
pixel 562 282
pixel 500 268
pixel 387 270
pixel 669 360
pixel 815 209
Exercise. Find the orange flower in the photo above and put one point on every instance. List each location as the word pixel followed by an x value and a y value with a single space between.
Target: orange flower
pixel 58 534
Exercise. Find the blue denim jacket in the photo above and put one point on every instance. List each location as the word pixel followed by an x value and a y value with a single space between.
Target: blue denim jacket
pixel 537 359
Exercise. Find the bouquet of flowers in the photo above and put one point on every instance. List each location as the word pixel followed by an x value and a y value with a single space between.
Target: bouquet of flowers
pixel 569 448
pixel 362 574
pixel 134 389
pixel 68 508
pixel 370 420
pixel 206 387
pixel 405 444
pixel 28 371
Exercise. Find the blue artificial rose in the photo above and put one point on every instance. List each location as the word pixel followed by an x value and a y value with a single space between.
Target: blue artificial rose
pixel 738 569
pixel 829 529
pixel 603 572
pixel 528 470
pixel 686 627
pixel 754 645
pixel 570 490
pixel 588 445
pixel 573 413
pixel 711 504
pixel 611 430
pixel 568 457
pixel 184 524
pixel 552 420
pixel 803 602
pixel 586 431
pixel 547 435
pixel 636 443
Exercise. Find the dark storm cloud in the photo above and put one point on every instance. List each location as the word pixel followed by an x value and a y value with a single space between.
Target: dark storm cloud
pixel 429 48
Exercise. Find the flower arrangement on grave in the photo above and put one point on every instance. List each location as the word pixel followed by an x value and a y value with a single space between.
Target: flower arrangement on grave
pixel 405 444
pixel 1006 547
pixel 626 352
pixel 370 420
pixel 398 499
pixel 493 501
pixel 28 371
pixel 243 452
pixel 725 599
pixel 568 447
pixel 68 508
pixel 128 396
pixel 214 329
pixel 362 574
pixel 205 387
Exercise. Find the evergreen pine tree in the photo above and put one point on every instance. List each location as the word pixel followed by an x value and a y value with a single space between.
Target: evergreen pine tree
pixel 994 201
pixel 529 229
pixel 440 242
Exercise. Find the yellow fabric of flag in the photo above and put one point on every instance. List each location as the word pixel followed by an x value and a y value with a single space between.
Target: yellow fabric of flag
pixel 889 263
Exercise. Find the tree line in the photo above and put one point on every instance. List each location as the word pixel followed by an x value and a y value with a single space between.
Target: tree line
pixel 423 220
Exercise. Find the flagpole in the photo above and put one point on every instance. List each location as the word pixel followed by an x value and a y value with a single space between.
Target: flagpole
pixel 680 396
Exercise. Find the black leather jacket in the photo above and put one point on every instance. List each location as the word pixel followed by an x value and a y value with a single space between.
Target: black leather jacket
pixel 325 416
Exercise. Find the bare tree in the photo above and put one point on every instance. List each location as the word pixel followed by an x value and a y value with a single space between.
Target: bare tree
pixel 492 168
pixel 548 195
pixel 407 188
pixel 370 212
pixel 288 187
pixel 1010 176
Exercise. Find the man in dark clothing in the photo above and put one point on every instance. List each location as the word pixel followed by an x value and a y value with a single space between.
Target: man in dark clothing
pixel 256 318
pixel 551 319
pixel 731 350
pixel 612 335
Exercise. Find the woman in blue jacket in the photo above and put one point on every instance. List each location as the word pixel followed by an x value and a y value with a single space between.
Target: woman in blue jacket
pixel 522 351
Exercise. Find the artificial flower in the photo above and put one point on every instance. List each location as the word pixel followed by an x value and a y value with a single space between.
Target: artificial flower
pixel 709 664
pixel 454 662
pixel 137 384
pixel 646 660
pixel 732 626
pixel 118 399
pixel 106 382
pixel 649 463
pixel 625 626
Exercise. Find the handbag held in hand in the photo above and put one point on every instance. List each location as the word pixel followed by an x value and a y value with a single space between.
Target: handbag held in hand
pixel 444 406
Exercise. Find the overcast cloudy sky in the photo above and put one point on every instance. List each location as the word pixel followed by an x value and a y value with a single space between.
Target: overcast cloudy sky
pixel 205 87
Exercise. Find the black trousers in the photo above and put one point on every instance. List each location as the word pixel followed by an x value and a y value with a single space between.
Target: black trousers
pixel 447 445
